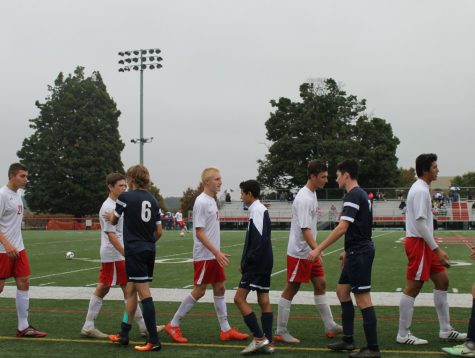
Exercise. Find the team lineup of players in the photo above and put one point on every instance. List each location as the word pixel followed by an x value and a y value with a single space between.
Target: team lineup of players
pixel 130 226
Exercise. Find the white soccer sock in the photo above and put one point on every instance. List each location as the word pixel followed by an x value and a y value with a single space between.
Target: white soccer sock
pixel 185 307
pixel 221 313
pixel 406 310
pixel 22 306
pixel 325 312
pixel 95 304
pixel 442 308
pixel 283 314
pixel 138 318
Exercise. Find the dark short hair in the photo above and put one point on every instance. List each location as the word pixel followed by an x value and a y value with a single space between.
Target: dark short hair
pixel 424 162
pixel 251 186
pixel 316 167
pixel 140 175
pixel 113 178
pixel 349 166
pixel 15 168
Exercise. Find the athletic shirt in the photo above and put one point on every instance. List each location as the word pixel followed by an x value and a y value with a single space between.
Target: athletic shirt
pixel 109 252
pixel 357 210
pixel 205 216
pixel 179 216
pixel 257 253
pixel 11 216
pixel 141 217
pixel 419 206
pixel 304 216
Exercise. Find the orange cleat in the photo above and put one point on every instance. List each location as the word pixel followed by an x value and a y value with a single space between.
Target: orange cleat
pixel 148 347
pixel 233 335
pixel 175 333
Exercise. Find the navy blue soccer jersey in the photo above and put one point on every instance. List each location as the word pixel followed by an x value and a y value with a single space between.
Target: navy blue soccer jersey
pixel 257 254
pixel 358 212
pixel 141 216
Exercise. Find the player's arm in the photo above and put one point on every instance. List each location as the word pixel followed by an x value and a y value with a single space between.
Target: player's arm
pixel 337 232
pixel 221 257
pixel 10 250
pixel 114 240
pixel 308 237
pixel 157 234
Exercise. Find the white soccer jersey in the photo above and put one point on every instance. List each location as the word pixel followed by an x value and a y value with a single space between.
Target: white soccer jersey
pixel 11 216
pixel 304 216
pixel 419 206
pixel 179 216
pixel 109 252
pixel 206 216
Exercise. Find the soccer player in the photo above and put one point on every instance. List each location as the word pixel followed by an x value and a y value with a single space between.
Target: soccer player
pixel 112 260
pixel 142 229
pixel 180 222
pixel 256 266
pixel 426 260
pixel 466 349
pixel 209 261
pixel 13 258
pixel 303 233
pixel 355 223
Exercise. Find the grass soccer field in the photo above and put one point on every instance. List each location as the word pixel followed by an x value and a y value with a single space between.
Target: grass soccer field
pixel 62 319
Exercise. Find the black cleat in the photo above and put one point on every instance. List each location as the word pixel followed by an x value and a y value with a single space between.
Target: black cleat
pixel 366 353
pixel 342 346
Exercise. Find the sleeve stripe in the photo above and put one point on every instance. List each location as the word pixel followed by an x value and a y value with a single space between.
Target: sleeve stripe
pixel 121 203
pixel 347 218
pixel 353 205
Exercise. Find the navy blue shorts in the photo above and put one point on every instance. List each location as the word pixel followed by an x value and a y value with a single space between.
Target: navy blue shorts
pixel 139 266
pixel 255 282
pixel 357 271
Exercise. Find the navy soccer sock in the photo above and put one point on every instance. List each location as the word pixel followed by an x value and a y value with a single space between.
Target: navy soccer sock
pixel 471 324
pixel 369 326
pixel 348 319
pixel 266 320
pixel 148 311
pixel 124 332
pixel 251 322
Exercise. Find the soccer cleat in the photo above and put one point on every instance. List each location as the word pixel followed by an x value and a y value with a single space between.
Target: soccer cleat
pixel 30 332
pixel 366 353
pixel 411 340
pixel 462 350
pixel 160 328
pixel 233 335
pixel 148 347
pixel 452 336
pixel 255 345
pixel 334 331
pixel 342 346
pixel 175 333
pixel 93 333
pixel 286 337
pixel 117 338
pixel 269 349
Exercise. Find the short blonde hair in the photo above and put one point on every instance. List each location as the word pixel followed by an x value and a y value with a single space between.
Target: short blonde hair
pixel 140 175
pixel 205 175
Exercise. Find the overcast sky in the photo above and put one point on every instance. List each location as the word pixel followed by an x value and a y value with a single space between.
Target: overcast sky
pixel 223 61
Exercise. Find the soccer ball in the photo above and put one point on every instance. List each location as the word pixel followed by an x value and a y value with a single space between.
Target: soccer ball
pixel 182 234
pixel 69 255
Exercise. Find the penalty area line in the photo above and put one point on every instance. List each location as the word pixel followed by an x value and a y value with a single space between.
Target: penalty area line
pixel 200 345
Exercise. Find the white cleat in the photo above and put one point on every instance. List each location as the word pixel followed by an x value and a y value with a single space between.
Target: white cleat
pixel 160 328
pixel 334 331
pixel 462 350
pixel 255 345
pixel 453 336
pixel 269 349
pixel 411 340
pixel 93 333
pixel 286 337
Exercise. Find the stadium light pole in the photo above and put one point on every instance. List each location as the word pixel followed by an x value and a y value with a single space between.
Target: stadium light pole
pixel 140 60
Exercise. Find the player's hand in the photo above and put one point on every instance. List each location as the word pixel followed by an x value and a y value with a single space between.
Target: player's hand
pixel 312 255
pixel 108 216
pixel 222 258
pixel 342 259
pixel 11 250
pixel 472 255
pixel 442 257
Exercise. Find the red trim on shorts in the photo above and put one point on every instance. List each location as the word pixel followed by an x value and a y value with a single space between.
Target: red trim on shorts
pixel 19 267
pixel 422 261
pixel 113 273
pixel 208 272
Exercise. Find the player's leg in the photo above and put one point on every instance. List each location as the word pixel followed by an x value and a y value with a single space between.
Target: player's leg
pixel 321 303
pixel 441 284
pixel 143 290
pixel 95 304
pixel 267 317
pixel 468 348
